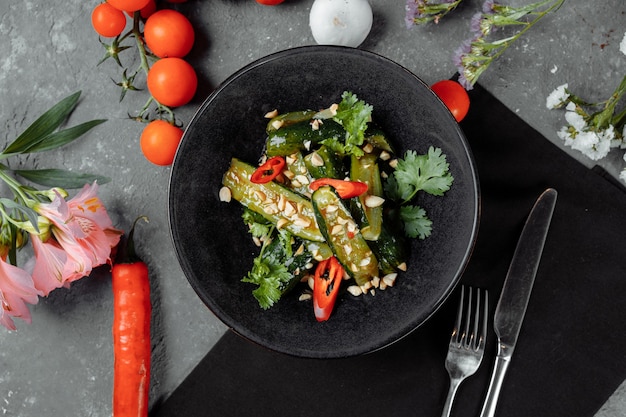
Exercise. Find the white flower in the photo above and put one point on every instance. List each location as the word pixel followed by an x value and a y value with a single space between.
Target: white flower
pixel 622 45
pixel 607 134
pixel 593 145
pixel 566 136
pixel 575 119
pixel 557 98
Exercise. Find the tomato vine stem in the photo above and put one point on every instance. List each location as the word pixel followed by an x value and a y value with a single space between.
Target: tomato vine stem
pixel 145 66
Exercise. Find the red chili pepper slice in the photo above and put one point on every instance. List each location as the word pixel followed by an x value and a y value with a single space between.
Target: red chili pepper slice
pixel 345 189
pixel 269 170
pixel 328 276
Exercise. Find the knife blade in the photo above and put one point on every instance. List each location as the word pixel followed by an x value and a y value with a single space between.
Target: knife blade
pixel 515 294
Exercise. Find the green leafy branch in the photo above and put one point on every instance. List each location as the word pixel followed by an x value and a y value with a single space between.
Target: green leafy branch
pixel 44 134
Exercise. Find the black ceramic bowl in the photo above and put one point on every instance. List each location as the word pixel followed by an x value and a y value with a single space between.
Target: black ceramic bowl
pixel 215 249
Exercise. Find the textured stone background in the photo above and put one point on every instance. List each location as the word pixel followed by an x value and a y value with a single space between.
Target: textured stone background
pixel 61 364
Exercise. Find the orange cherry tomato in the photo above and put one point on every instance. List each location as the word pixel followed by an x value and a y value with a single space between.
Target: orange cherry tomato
pixel 159 141
pixel 453 96
pixel 172 81
pixel 128 5
pixel 168 33
pixel 108 21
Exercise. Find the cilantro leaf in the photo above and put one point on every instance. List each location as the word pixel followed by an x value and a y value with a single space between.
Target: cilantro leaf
pixel 416 223
pixel 271 277
pixel 429 173
pixel 272 269
pixel 259 226
pixel 354 115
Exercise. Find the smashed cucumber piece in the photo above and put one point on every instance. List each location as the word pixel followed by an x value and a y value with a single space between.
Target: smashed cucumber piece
pixel 342 235
pixel 276 203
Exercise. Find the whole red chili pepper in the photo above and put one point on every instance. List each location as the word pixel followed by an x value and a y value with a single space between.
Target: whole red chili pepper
pixel 131 333
pixel 345 189
pixel 272 168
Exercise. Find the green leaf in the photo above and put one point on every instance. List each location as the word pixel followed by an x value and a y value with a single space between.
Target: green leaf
pixel 353 114
pixel 60 178
pixel 62 137
pixel 416 223
pixel 427 173
pixel 270 276
pixel 43 126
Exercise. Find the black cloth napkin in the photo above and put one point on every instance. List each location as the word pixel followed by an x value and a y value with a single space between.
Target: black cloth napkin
pixel 570 356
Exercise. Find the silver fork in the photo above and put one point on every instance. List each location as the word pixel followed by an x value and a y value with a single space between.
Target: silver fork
pixel 465 351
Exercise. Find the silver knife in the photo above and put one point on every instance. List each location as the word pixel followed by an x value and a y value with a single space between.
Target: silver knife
pixel 516 291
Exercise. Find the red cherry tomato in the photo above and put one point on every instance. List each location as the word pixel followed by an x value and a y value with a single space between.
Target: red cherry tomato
pixel 108 21
pixel 454 97
pixel 148 9
pixel 168 33
pixel 269 2
pixel 128 5
pixel 172 81
pixel 159 141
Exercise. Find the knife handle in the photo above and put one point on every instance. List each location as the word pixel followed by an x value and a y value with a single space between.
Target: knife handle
pixel 499 370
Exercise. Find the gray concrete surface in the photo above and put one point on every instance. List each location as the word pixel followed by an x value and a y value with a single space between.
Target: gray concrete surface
pixel 61 364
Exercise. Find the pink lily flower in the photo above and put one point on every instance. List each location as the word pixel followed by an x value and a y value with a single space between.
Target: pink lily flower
pixel 82 229
pixel 49 264
pixel 16 289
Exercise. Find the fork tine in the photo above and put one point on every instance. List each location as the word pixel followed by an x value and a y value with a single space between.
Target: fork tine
pixel 468 318
pixel 483 336
pixel 455 338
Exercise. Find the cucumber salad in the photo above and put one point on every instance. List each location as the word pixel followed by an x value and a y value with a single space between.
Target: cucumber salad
pixel 331 205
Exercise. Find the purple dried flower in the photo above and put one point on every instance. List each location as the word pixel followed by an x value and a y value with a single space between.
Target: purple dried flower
pixel 463 50
pixel 464 82
pixel 475 26
pixel 411 12
pixel 489 6
pixel 423 11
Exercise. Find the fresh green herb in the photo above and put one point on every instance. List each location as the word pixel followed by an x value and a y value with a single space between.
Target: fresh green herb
pixel 429 173
pixel 270 269
pixel 270 278
pixel 353 114
pixel 416 223
pixel 259 226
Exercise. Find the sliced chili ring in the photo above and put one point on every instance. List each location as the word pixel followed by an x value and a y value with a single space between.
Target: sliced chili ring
pixel 345 189
pixel 268 171
pixel 328 276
